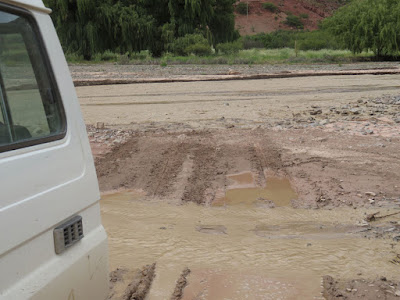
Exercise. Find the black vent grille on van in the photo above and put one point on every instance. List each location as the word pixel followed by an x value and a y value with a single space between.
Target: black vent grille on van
pixel 67 234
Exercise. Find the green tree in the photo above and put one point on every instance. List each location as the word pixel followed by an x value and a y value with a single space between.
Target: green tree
pixel 87 27
pixel 222 23
pixel 367 25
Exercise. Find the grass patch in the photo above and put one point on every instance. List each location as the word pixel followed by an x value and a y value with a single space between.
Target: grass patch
pixel 248 56
pixel 270 6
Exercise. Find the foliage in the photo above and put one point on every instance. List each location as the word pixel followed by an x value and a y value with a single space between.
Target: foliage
pixel 317 40
pixel 199 49
pixel 87 27
pixel 242 8
pixel 252 42
pixel 229 47
pixel 367 25
pixel 314 40
pixel 304 16
pixel 108 56
pixel 191 43
pixel 294 21
pixel 222 25
pixel 270 6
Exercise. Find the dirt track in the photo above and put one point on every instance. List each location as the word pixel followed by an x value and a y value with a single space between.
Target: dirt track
pixel 335 138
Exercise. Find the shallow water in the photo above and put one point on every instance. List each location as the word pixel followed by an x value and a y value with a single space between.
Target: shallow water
pixel 279 253
pixel 244 191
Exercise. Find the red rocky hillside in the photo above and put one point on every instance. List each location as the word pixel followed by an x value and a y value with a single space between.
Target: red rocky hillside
pixel 262 20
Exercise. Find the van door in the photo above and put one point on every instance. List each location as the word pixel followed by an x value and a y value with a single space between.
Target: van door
pixel 47 174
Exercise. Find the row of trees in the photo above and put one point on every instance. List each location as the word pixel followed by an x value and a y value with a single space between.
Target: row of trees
pixel 367 25
pixel 87 27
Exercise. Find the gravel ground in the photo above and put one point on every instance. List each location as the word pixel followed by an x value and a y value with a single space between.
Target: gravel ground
pixel 115 71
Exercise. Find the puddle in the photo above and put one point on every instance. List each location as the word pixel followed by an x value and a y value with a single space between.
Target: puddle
pixel 243 191
pixel 248 252
pixel 245 178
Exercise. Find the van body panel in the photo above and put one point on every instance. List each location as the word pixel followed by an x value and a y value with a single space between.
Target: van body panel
pixel 43 186
pixel 30 4
pixel 76 274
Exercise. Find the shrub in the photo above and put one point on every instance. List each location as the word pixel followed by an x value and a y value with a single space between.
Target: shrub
pixel 230 48
pixel 199 49
pixel 242 8
pixel 304 16
pixel 142 55
pixel 73 57
pixel 251 42
pixel 306 40
pixel 294 21
pixel 123 59
pixel 108 56
pixel 191 43
pixel 270 6
pixel 317 40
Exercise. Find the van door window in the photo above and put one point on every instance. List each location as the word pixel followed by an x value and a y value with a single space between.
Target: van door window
pixel 31 112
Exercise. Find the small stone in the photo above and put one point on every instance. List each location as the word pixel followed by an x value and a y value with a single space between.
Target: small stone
pixel 383 278
pixel 355 111
pixel 396 238
pixel 370 194
pixel 397 293
pixel 316 111
pixel 359 195
pixel 363 223
pixel 226 104
pixel 371 201
pixel 100 125
pixel 324 122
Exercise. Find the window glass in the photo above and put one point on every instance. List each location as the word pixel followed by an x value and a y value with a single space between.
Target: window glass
pixel 29 110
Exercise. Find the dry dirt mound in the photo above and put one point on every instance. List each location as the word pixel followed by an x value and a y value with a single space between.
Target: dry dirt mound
pixel 262 20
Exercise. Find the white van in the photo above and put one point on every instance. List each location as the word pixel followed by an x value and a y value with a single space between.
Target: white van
pixel 52 242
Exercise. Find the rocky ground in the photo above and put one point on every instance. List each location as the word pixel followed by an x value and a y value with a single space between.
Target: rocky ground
pixel 115 71
pixel 361 289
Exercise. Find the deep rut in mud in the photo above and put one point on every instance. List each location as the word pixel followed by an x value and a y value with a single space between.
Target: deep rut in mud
pixel 193 166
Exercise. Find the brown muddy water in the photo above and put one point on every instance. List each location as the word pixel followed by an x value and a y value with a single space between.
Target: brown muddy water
pixel 276 192
pixel 241 251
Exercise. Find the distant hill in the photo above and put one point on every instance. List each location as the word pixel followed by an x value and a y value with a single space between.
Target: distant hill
pixel 263 20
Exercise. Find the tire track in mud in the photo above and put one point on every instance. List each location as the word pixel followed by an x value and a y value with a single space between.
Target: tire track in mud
pixel 185 167
pixel 147 163
pixel 201 184
pixel 193 166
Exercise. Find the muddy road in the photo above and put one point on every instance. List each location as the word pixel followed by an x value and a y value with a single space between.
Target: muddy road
pixel 263 189
pixel 202 104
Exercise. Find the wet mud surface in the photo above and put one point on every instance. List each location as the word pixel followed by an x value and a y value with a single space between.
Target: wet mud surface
pixel 311 167
pixel 241 251
pixel 126 284
pixel 264 192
